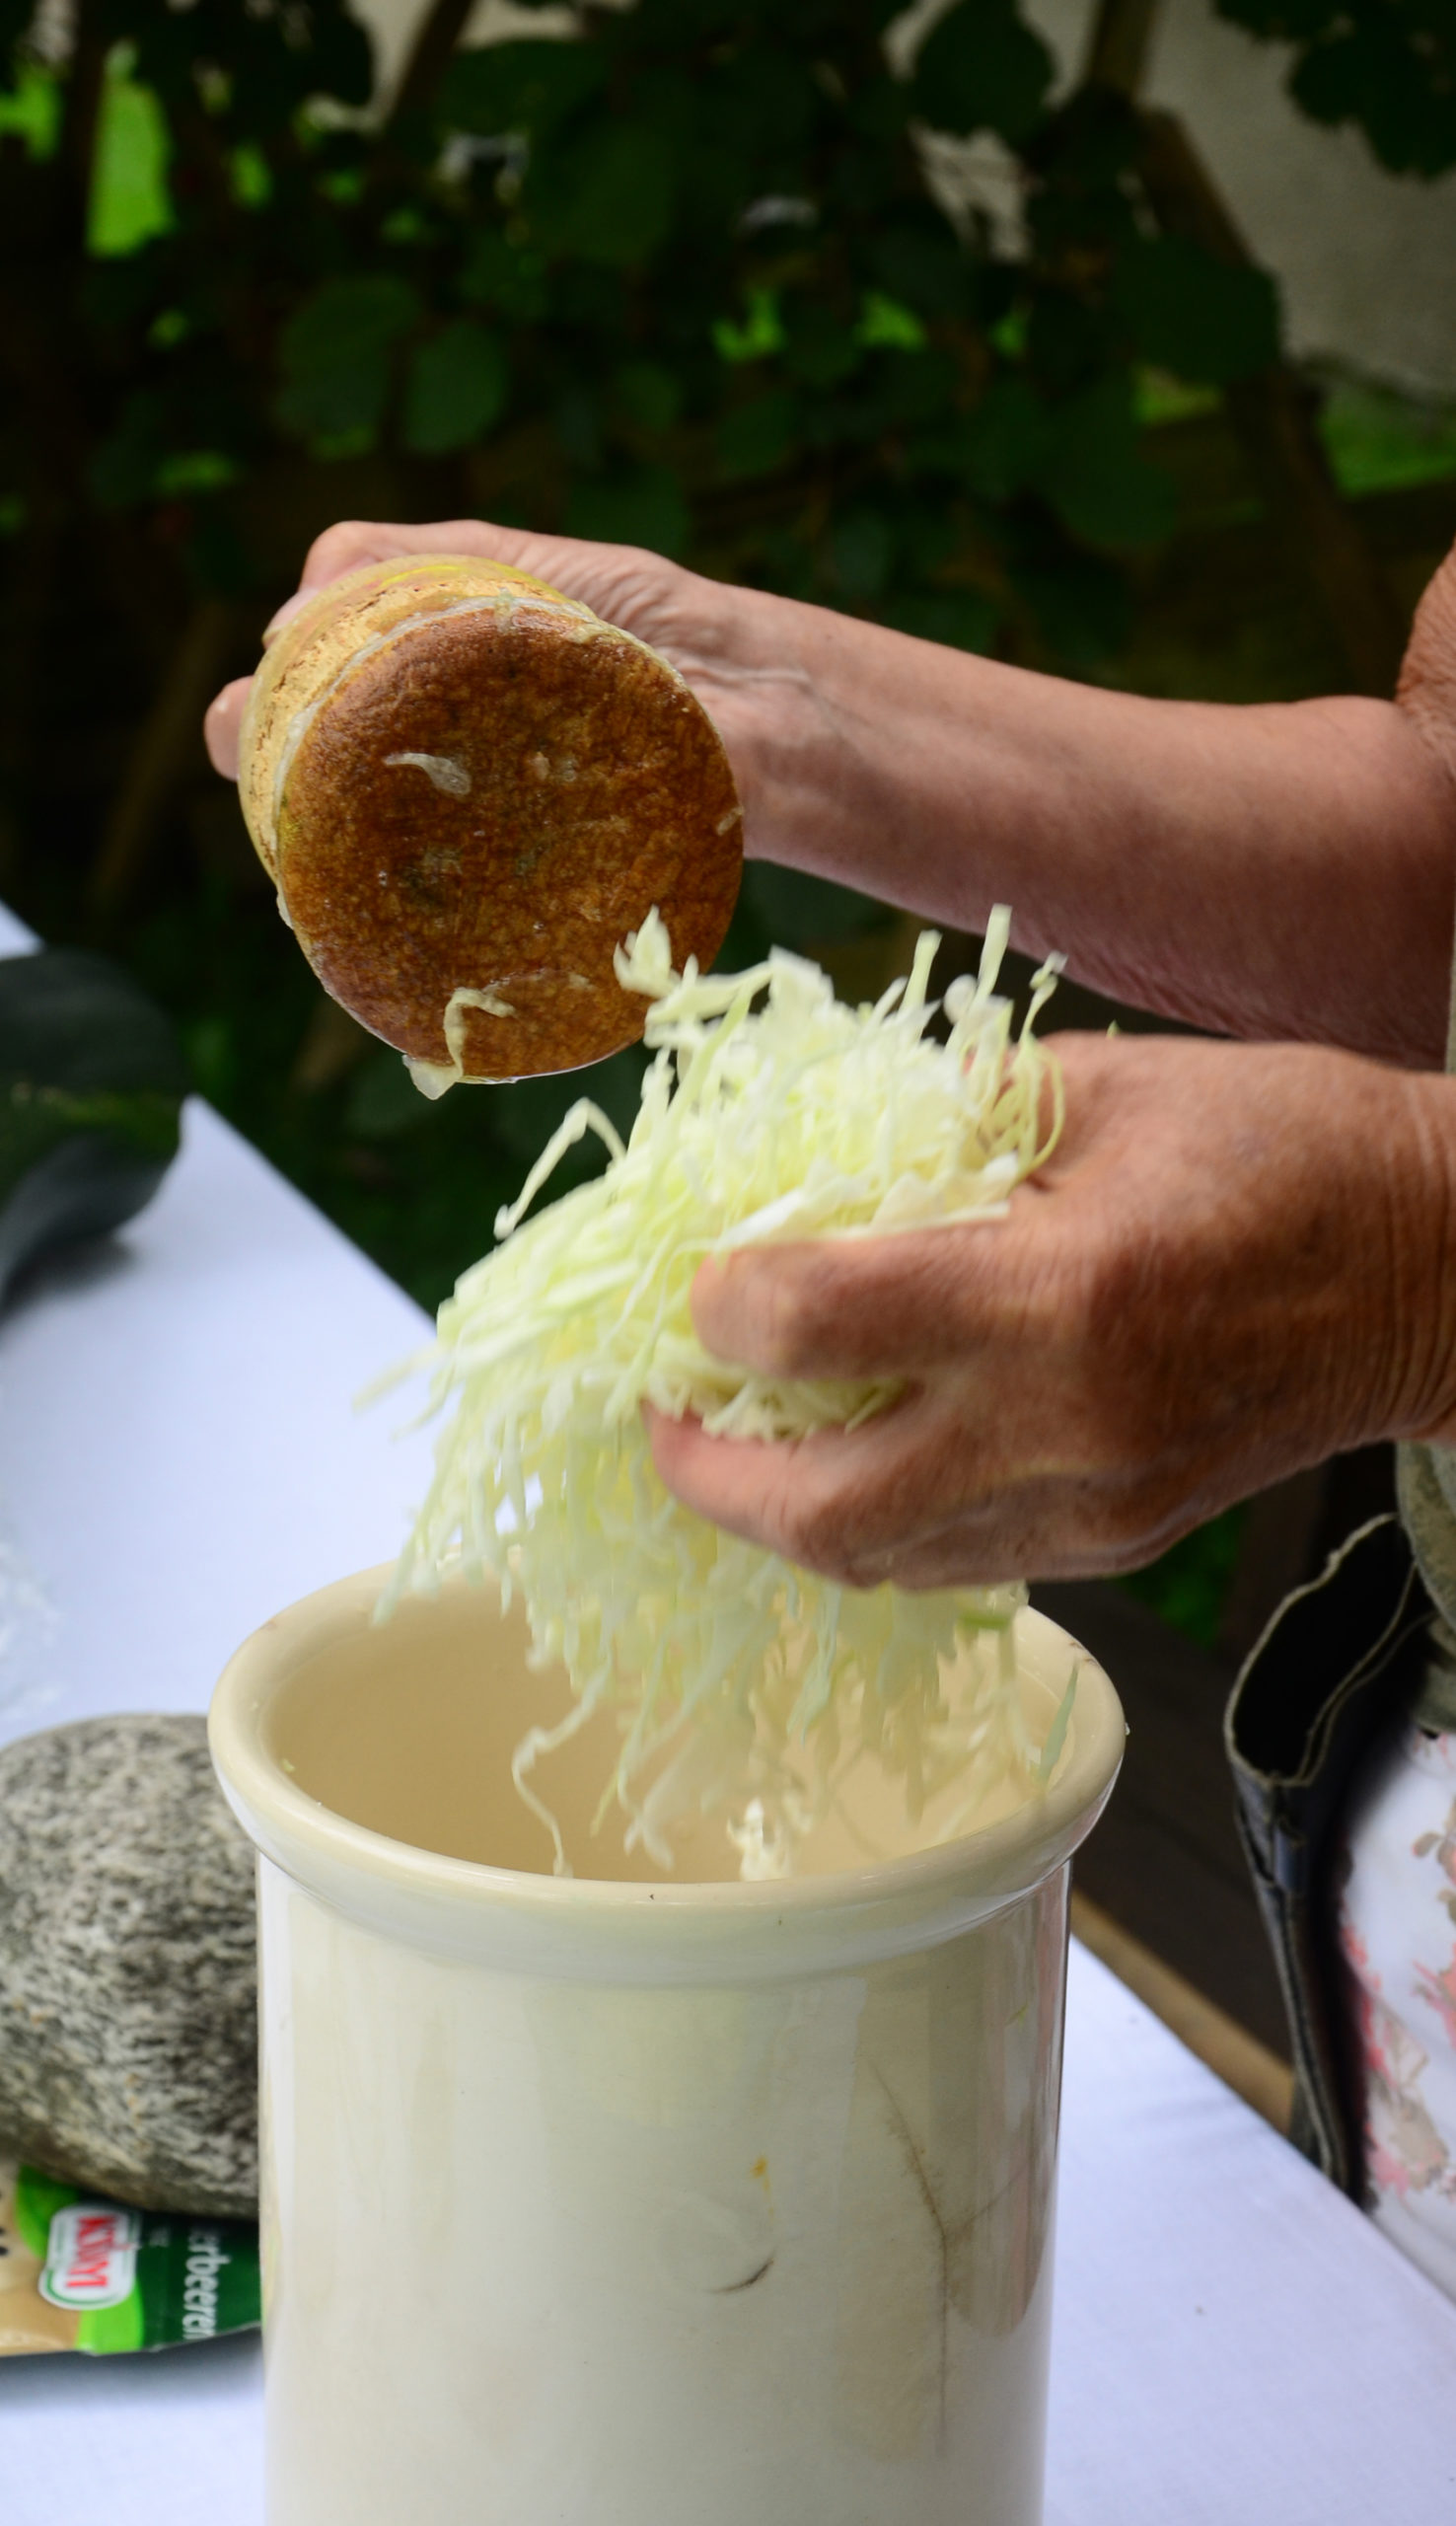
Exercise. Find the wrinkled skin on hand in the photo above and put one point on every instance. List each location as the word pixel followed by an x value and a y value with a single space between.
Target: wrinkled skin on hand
pixel 1233 1265
pixel 1242 1258
pixel 1426 692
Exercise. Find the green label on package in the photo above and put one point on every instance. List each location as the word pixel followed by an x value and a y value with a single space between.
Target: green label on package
pixel 78 2272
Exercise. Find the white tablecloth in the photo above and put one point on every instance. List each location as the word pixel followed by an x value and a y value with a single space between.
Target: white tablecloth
pixel 179 1457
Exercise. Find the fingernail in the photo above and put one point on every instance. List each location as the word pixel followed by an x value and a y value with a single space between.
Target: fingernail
pixel 291 606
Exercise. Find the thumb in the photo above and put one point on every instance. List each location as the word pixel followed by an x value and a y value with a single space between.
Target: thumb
pixel 221 726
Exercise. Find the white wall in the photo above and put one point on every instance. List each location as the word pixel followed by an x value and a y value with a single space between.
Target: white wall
pixel 1367 261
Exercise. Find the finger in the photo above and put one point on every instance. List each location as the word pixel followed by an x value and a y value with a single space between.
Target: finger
pixel 619 583
pixel 841 1503
pixel 885 1504
pixel 355 542
pixel 887 1305
pixel 222 725
pixel 745 1486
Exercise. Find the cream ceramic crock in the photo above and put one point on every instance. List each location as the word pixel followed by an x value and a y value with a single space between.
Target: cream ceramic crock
pixel 630 2199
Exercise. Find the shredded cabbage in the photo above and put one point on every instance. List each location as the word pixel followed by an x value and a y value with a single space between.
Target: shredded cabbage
pixel 741 1685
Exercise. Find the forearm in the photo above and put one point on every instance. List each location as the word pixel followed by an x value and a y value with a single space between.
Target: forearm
pixel 1285 871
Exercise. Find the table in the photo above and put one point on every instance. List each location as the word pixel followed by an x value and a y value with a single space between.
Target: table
pixel 179 1457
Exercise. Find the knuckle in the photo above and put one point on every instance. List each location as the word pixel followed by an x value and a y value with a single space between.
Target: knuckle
pixel 792 1322
pixel 811 1532
pixel 339 549
pixel 773 1312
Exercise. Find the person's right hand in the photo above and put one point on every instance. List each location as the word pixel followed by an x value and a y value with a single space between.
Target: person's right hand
pixel 741 665
pixel 1236 1263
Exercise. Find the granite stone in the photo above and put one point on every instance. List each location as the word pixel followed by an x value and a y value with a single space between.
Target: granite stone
pixel 128 2030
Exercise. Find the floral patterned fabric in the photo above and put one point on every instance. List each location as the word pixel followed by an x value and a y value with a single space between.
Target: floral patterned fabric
pixel 1398 1936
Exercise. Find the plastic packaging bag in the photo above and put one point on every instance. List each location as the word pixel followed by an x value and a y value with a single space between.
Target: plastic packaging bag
pixel 78 2272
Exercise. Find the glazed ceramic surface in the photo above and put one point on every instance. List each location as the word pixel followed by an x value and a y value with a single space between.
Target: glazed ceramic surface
pixel 630 2197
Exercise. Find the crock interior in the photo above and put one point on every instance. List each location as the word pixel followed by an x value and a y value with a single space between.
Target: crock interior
pixel 408 1728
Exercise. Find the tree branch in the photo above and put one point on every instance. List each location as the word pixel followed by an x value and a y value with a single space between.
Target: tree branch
pixel 1119 44
pixel 1274 415
pixel 169 737
pixel 86 78
pixel 433 51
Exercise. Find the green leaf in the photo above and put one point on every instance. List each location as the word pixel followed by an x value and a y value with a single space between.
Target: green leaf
pixel 506 276
pixel 1006 439
pixel 1011 333
pixel 983 69
pixel 1374 74
pixel 756 437
pixel 758 335
pixel 344 184
pixel 649 395
pixel 884 324
pixel 32 109
pixel 456 389
pixel 923 268
pixel 918 392
pixel 336 354
pixel 338 410
pixel 1386 65
pixel 577 423
pixel 1095 475
pixel 1162 399
pixel 1380 442
pixel 1065 340
pixel 198 470
pixel 818 348
pixel 408 226
pixel 346 319
pixel 120 472
pixel 861 547
pixel 646 508
pixel 761 103
pixel 251 178
pixel 1206 321
pixel 129 198
pixel 331 53
pixel 528 86
pixel 608 198
pixel 1189 1585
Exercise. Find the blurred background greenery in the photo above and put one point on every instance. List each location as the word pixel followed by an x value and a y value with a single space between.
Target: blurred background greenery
pixel 921 314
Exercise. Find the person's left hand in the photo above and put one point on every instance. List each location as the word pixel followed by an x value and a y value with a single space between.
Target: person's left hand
pixel 1238 1262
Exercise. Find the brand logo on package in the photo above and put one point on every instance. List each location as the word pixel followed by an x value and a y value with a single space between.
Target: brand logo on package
pixel 91 2258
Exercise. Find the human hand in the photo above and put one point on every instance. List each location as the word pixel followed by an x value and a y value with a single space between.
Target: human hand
pixel 740 665
pixel 1237 1262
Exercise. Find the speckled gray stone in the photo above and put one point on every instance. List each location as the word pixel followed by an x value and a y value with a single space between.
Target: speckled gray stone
pixel 128 2033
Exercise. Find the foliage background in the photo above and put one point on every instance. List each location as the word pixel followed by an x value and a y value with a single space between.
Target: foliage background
pixel 685 280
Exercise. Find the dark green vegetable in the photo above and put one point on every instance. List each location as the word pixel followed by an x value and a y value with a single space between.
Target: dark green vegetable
pixel 92 1081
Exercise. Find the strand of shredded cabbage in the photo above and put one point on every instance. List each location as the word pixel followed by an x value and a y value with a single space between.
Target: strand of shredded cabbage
pixel 740 1685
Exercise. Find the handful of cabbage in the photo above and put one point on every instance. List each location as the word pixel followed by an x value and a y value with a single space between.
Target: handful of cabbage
pixel 742 1686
